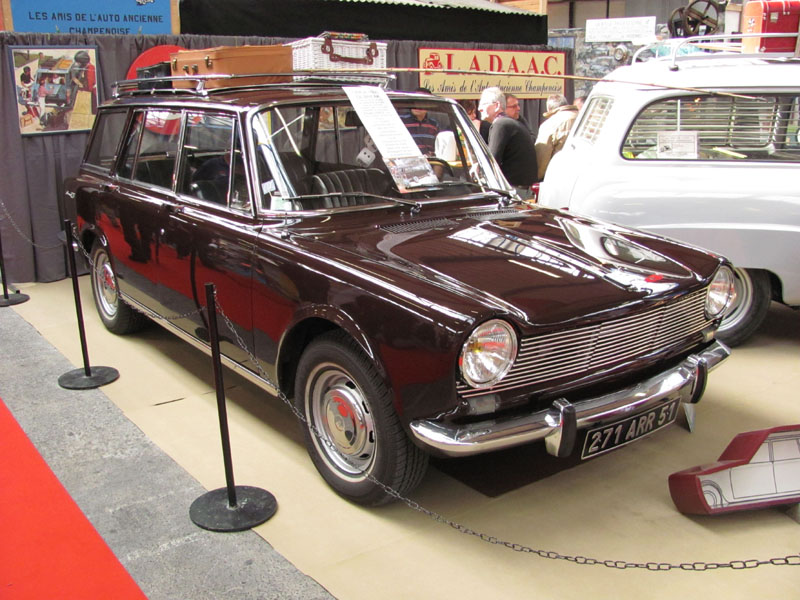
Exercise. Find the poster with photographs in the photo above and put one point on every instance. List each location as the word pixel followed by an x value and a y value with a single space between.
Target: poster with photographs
pixel 56 87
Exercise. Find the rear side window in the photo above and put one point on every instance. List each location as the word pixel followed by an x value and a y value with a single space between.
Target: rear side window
pixel 762 128
pixel 107 131
pixel 594 118
pixel 151 147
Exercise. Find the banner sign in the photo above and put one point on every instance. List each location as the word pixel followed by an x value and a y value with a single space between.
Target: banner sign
pixel 511 63
pixel 629 29
pixel 121 17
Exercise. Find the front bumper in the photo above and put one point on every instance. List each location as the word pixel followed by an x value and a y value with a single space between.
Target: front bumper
pixel 559 424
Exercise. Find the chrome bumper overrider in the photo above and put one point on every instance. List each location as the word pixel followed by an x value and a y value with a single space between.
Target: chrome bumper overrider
pixel 559 424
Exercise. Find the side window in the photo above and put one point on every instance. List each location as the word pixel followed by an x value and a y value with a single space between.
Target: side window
pixel 594 118
pixel 786 449
pixel 716 128
pixel 761 455
pixel 151 147
pixel 213 163
pixel 158 149
pixel 107 131
pixel 131 147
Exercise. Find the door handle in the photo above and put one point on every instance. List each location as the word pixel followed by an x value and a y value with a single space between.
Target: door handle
pixel 110 187
pixel 173 209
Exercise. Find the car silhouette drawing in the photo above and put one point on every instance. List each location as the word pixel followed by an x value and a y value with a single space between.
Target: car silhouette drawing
pixel 756 470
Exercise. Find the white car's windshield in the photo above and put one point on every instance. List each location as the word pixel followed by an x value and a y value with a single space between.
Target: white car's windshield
pixel 323 155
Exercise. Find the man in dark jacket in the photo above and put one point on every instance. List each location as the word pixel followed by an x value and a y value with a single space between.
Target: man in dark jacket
pixel 509 141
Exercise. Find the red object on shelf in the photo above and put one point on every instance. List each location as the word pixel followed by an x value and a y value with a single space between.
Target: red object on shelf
pixel 152 56
pixel 770 16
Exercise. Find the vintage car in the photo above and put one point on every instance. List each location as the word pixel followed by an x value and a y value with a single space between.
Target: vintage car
pixel 702 147
pixel 407 304
pixel 756 470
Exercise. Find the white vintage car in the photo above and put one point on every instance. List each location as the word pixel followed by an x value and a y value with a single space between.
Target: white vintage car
pixel 702 147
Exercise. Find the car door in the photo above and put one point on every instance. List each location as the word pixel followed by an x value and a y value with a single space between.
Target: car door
pixel 209 234
pixel 136 199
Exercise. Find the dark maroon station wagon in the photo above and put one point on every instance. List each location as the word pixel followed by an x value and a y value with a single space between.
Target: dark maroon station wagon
pixel 391 284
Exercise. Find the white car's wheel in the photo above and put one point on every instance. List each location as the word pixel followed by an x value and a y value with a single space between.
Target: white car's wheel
pixel 749 307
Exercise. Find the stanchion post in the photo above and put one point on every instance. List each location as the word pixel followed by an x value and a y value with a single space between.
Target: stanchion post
pixel 232 508
pixel 7 300
pixel 88 377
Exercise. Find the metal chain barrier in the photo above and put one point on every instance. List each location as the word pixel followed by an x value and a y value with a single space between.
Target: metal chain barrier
pixel 790 560
pixel 22 234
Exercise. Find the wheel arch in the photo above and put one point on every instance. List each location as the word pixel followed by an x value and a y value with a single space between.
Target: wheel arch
pixel 308 328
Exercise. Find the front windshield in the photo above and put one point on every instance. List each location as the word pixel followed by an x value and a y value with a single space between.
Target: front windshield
pixel 333 155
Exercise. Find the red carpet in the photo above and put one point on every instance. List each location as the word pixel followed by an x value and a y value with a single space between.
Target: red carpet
pixel 48 549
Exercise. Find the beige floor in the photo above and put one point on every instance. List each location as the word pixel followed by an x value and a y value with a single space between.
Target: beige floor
pixel 614 507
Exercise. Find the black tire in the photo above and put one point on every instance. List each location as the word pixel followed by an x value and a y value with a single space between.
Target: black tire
pixel 749 308
pixel 358 432
pixel 117 316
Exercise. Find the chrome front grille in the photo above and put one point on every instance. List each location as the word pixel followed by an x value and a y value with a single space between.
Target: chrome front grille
pixel 585 350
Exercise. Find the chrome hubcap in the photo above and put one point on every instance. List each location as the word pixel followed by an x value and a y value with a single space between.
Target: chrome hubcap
pixel 341 415
pixel 105 285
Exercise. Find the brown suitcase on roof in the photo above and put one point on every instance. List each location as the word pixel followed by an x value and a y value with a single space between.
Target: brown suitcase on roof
pixel 233 60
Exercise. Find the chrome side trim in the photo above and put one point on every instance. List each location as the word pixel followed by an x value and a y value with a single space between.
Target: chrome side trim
pixel 685 381
pixel 200 345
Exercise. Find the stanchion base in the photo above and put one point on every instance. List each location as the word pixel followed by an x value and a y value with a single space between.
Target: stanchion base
pixel 77 379
pixel 253 506
pixel 14 299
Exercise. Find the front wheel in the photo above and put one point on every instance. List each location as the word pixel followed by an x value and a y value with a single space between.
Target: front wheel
pixel 749 307
pixel 117 316
pixel 352 432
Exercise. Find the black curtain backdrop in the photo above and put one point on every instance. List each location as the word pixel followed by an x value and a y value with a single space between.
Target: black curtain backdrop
pixel 33 168
pixel 307 18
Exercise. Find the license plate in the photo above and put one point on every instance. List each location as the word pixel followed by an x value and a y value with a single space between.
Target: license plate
pixel 603 439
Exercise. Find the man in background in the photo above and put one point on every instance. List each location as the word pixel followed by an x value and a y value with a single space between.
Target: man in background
pixel 513 109
pixel 421 127
pixel 510 142
pixel 554 130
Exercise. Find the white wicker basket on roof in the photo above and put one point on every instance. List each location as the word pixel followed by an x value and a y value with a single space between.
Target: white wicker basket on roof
pixel 332 53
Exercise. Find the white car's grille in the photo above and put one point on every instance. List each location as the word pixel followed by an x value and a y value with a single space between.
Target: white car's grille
pixel 586 350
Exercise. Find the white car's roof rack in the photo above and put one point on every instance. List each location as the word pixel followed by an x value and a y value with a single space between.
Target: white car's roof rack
pixel 720 43
pixel 197 84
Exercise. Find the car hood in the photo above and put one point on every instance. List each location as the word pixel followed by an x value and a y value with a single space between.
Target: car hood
pixel 542 266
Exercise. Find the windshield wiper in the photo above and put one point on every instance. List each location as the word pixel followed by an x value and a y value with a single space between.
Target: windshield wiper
pixel 415 206
pixel 508 195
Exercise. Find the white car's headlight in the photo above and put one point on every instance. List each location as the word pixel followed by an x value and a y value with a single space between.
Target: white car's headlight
pixel 720 293
pixel 488 353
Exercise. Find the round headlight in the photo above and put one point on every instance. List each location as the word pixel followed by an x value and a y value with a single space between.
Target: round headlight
pixel 720 293
pixel 488 354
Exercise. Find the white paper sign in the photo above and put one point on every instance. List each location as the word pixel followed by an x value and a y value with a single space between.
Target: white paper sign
pixel 408 167
pixel 620 30
pixel 677 144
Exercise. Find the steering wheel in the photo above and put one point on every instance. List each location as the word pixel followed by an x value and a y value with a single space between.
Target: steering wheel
pixel 445 165
pixel 701 17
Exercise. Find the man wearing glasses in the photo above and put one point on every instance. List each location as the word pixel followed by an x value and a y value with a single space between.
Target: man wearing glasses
pixel 510 142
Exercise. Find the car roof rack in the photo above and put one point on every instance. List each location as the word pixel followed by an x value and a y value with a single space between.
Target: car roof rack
pixel 197 84
pixel 719 43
